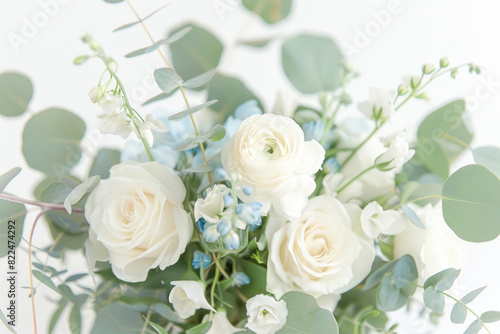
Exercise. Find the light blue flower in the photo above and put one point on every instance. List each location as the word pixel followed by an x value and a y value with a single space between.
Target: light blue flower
pixel 228 200
pixel 210 233
pixel 247 109
pixel 240 279
pixel 331 165
pixel 247 190
pixel 200 224
pixel 200 259
pixel 232 241
pixel 224 227
pixel 314 130
pixel 179 132
pixel 220 174
pixel 250 213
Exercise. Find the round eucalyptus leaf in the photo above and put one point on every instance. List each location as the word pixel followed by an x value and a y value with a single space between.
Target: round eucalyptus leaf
pixel 113 1
pixel 489 157
pixel 51 141
pixel 16 92
pixel 471 203
pixel 15 214
pixel 196 53
pixel 312 63
pixel 271 11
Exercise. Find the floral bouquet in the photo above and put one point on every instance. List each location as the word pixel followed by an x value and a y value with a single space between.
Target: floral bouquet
pixel 224 217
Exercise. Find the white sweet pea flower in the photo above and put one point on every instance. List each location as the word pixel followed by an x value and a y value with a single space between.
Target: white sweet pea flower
pixel 376 221
pixel 434 248
pixel 96 94
pixel 220 324
pixel 323 253
pixel 270 155
pixel 187 297
pixel 115 124
pixel 150 124
pixel 111 104
pixel 265 314
pixel 212 206
pixel 397 154
pixel 285 104
pixel 380 104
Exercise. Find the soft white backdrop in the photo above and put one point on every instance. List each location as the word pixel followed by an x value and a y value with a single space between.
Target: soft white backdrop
pixel 394 46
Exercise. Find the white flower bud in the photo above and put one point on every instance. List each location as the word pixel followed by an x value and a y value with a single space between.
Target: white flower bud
pixel 96 94
pixel 113 66
pixel 403 89
pixel 444 62
pixel 428 68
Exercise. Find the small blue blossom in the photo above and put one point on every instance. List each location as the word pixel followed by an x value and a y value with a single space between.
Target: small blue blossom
pixel 247 109
pixel 210 234
pixel 220 174
pixel 247 190
pixel 314 130
pixel 228 200
pixel 331 165
pixel 200 224
pixel 240 279
pixel 223 228
pixel 250 213
pixel 232 241
pixel 201 259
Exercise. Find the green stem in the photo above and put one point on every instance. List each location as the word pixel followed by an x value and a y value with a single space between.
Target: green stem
pixel 214 283
pixel 355 178
pixel 329 125
pixel 415 200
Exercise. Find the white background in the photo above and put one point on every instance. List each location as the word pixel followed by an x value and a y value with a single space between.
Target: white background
pixel 416 33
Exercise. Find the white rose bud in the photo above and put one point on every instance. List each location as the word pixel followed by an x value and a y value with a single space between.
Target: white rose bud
pixel 212 205
pixel 265 314
pixel 187 297
pixel 380 104
pixel 376 221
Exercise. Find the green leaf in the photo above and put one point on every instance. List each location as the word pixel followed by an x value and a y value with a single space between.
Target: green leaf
pixel 45 280
pixel 434 300
pixel 158 44
pixel 75 319
pixel 230 92
pixel 7 177
pixel 16 91
pixel 305 316
pixel 200 329
pixel 458 313
pixel 167 79
pixel 81 190
pixel 405 271
pixel 117 318
pixel 256 43
pixel 75 277
pixel 55 317
pixel 433 157
pixel 105 159
pixel 156 327
pixel 159 97
pixel 443 280
pixel 183 114
pixel 5 322
pixel 51 141
pixel 471 203
pixel 113 1
pixel 408 189
pixel 388 294
pixel 15 212
pixel 412 216
pixel 200 80
pixel 196 53
pixel 257 275
pixel 165 312
pixel 376 277
pixel 67 293
pixel 472 295
pixel 203 168
pixel 489 157
pixel 475 327
pixel 271 11
pixel 128 25
pixel 312 63
pixel 490 316
pixel 215 133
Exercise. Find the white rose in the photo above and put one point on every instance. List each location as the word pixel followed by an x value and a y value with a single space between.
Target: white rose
pixel 212 205
pixel 397 154
pixel 270 155
pixel 434 248
pixel 220 324
pixel 380 103
pixel 265 314
pixel 187 297
pixel 137 221
pixel 376 221
pixel 323 253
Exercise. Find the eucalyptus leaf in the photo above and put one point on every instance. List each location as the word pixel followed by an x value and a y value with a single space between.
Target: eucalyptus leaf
pixel 167 79
pixel 181 115
pixel 51 141
pixel 128 25
pixel 199 169
pixel 117 318
pixel 196 53
pixel 271 11
pixel 16 213
pixel 472 295
pixel 407 190
pixel 81 190
pixel 312 63
pixel 412 216
pixel 159 97
pixel 200 80
pixel 256 43
pixel 305 316
pixel 474 327
pixel 66 293
pixel 5 322
pixel 458 313
pixel 113 1
pixel 489 157
pixel 45 280
pixel 155 46
pixel 215 133
pixel 471 203
pixel 8 176
pixel 75 277
pixel 200 329
pixel 104 160
pixel 442 280
pixel 156 327
pixel 490 316
pixel 16 91
pixel 165 311
pixel 57 313
pixel 75 319
pixel 434 300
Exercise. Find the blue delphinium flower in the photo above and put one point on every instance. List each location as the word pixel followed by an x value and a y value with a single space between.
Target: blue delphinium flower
pixel 232 241
pixel 200 224
pixel 200 259
pixel 240 279
pixel 314 130
pixel 210 234
pixel 224 227
pixel 331 165
pixel 250 213
pixel 247 109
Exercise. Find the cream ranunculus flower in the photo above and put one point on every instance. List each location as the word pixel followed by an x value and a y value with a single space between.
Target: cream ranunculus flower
pixel 212 205
pixel 270 155
pixel 323 253
pixel 434 248
pixel 187 297
pixel 137 221
pixel 265 314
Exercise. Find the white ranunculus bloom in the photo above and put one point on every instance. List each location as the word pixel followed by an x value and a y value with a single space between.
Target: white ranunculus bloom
pixel 187 297
pixel 285 104
pixel 220 324
pixel 376 221
pixel 115 124
pixel 380 100
pixel 397 154
pixel 270 155
pixel 137 220
pixel 434 248
pixel 265 314
pixel 323 253
pixel 212 205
